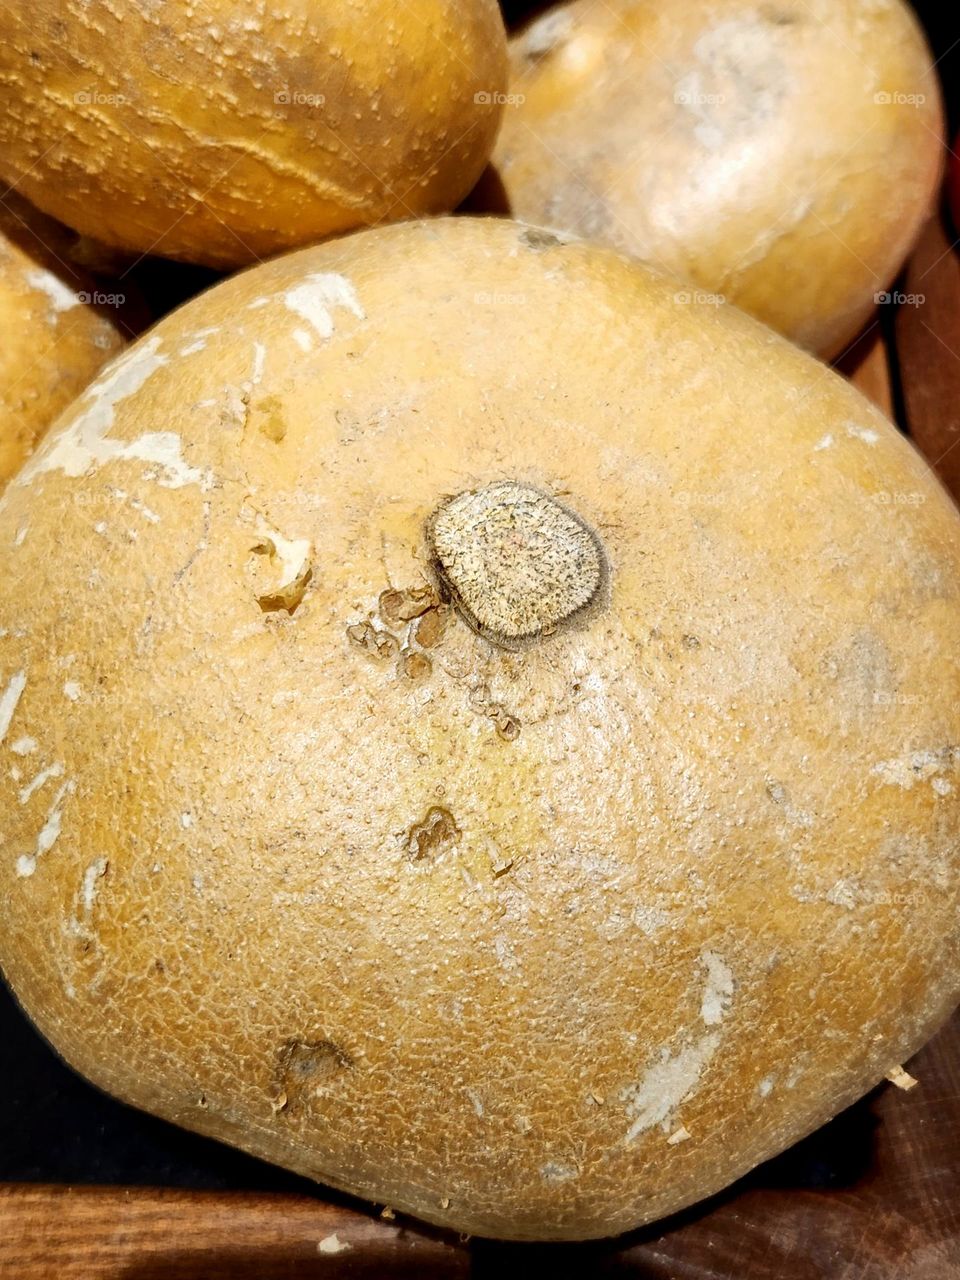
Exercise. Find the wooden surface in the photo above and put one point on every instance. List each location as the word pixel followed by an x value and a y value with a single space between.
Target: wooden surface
pixel 874 1196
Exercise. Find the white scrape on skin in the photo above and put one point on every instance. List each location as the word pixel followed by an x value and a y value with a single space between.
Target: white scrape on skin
pixel 150 516
pixel 21 537
pixel 332 1244
pixel 825 442
pixel 49 834
pixel 59 296
pixel 88 890
pixel 917 767
pixel 85 446
pixel 9 700
pixel 24 746
pixel 678 1136
pixel 666 1084
pixel 259 356
pixel 865 434
pixel 672 1077
pixel 718 992
pixel 43 777
pixel 765 1087
pixel 318 296
pixel 72 691
pixel 303 340
pixel 199 342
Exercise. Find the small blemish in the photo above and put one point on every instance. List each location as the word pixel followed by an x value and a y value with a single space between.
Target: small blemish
pixel 302 1065
pixel 718 991
pixel 281 569
pixel 429 629
pixel 508 726
pixel 9 701
pixel 415 666
pixel 865 434
pixel 400 607
pixel 332 1244
pixel 437 833
pixel 379 644
pixel 537 239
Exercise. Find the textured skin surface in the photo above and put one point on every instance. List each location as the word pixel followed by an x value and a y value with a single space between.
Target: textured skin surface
pixel 742 146
pixel 534 944
pixel 53 343
pixel 222 132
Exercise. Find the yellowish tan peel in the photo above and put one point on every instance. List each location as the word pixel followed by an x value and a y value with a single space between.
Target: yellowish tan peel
pixel 542 942
pixel 782 156
pixel 226 132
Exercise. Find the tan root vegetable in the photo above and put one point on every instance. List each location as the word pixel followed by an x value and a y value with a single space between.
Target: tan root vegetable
pixel 521 792
pixel 223 132
pixel 782 155
pixel 55 337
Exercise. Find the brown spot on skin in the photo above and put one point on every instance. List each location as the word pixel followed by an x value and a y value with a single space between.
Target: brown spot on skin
pixel 434 835
pixel 303 1064
pixel 430 628
pixel 415 666
pixel 379 644
pixel 400 607
pixel 517 564
pixel 538 240
pixel 269 418
pixel 508 726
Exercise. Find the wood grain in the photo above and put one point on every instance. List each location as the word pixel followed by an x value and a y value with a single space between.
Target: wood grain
pixel 928 350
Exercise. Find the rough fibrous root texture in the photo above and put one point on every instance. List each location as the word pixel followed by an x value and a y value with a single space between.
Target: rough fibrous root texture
pixel 517 563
